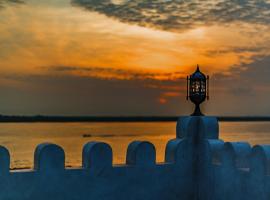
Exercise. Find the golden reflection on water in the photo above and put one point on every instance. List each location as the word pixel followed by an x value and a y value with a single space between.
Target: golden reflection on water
pixel 253 132
pixel 22 138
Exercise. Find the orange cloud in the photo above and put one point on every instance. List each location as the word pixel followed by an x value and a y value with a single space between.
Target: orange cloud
pixel 68 36
pixel 162 100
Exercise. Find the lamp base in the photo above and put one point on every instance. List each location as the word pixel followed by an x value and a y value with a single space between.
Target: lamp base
pixel 197 111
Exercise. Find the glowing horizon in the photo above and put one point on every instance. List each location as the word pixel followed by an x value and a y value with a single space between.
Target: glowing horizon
pixel 56 39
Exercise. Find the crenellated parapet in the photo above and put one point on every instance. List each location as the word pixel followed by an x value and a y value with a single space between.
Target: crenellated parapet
pixel 197 166
pixel 234 170
pixel 140 178
pixel 225 170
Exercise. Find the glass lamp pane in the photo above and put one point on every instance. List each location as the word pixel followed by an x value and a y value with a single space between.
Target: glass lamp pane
pixel 203 87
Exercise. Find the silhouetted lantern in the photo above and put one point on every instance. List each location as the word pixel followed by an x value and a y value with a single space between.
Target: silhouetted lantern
pixel 197 89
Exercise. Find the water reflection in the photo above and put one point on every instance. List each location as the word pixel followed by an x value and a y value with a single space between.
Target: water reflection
pixel 22 138
pixel 253 132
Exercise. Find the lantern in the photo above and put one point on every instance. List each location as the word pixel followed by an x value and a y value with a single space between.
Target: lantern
pixel 197 89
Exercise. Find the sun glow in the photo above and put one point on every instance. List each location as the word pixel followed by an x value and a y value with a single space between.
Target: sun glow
pixel 68 36
pixel 91 56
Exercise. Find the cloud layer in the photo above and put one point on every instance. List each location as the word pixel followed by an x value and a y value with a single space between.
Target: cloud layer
pixel 67 94
pixel 179 14
pixel 3 3
pixel 112 73
pixel 63 60
pixel 62 91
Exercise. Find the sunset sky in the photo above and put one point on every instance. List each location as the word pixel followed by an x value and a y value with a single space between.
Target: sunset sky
pixel 131 57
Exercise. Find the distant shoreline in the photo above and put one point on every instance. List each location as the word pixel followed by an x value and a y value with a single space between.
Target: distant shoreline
pixel 68 119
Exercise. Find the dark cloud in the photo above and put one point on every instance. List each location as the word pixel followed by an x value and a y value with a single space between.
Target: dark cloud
pixel 113 73
pixel 74 95
pixel 3 3
pixel 256 73
pixel 236 50
pixel 179 14
pixel 245 90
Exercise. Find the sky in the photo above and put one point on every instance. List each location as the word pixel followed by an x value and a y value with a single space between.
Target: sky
pixel 131 57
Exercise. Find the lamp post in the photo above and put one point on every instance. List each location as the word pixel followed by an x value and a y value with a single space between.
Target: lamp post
pixel 197 89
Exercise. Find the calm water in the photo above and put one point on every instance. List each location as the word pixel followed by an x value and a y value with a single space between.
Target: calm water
pixel 22 138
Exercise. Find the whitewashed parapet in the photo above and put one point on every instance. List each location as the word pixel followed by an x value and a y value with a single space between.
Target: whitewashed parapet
pixel 230 170
pixel 140 178
pixel 141 154
pixel 235 170
pixel 97 156
pixel 49 158
pixel 197 166
pixel 192 126
pixel 4 161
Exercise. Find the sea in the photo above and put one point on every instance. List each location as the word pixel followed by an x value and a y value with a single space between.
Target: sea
pixel 21 139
